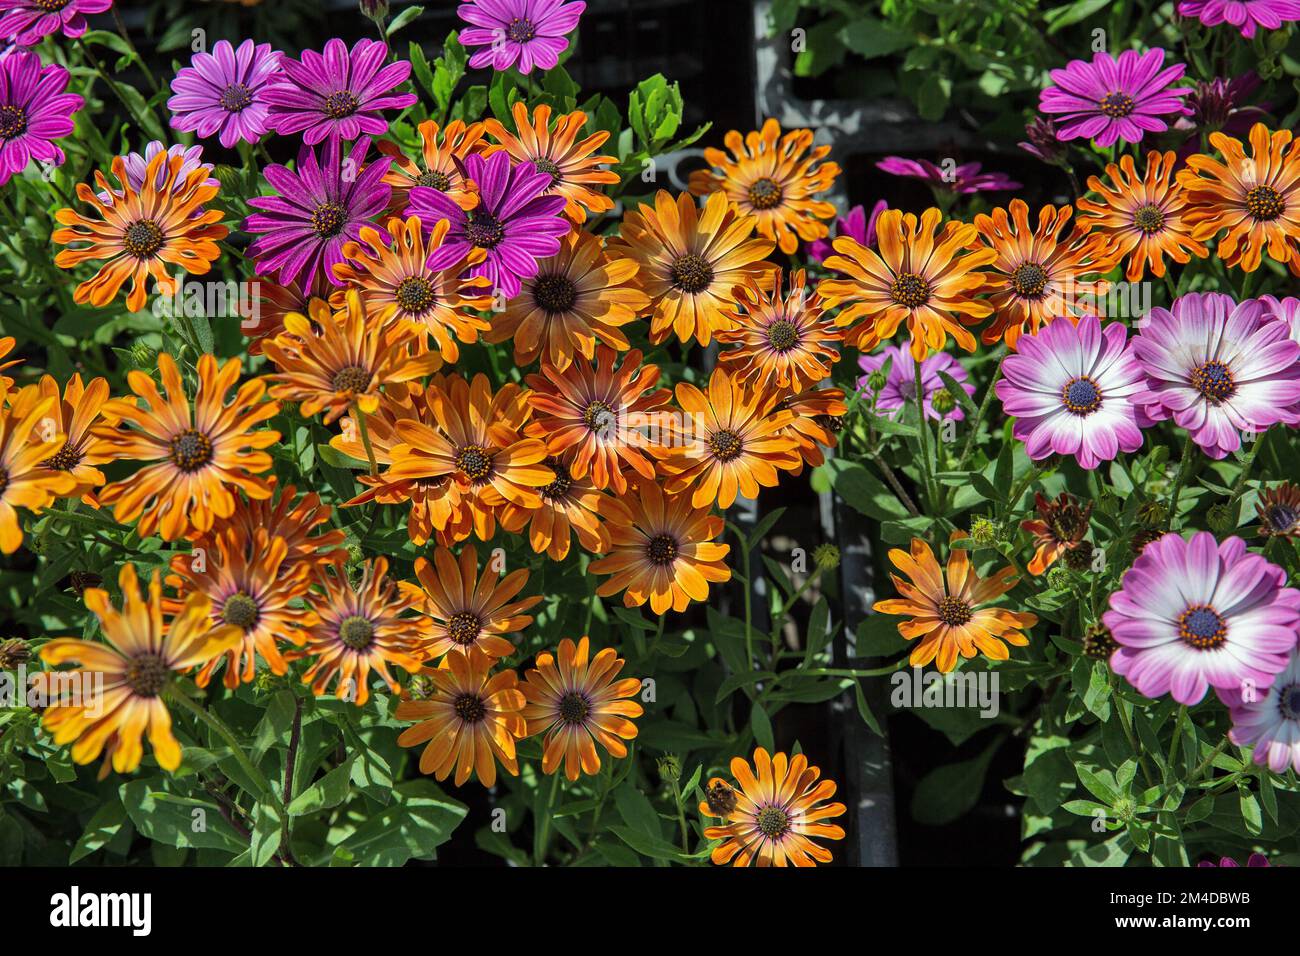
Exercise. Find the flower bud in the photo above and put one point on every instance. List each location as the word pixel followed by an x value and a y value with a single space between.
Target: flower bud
pixel 942 401
pixel 826 556
pixel 1153 514
pixel 983 532
pixel 670 768
pixel 1059 579
pixel 1221 518
pixel 877 380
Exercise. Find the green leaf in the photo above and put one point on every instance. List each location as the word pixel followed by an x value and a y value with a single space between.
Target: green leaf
pixel 869 37
pixel 863 491
pixel 403 18
pixel 103 826
pixel 946 793
pixel 637 811
pixel 420 819
pixel 761 724
pixel 329 791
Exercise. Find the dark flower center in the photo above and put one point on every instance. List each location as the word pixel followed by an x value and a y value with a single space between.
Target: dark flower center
pixel 1149 219
pixel 240 610
pixel 191 450
pixel 1265 203
pixel 484 229
pixel 521 30
pixel 328 219
pixel 574 707
pixel 1214 381
pixel 1288 702
pixel 1117 105
pixel 474 461
pixel 50 6
pixel 544 164
pixel 1099 644
pixel 356 633
pixel 691 273
pixel 351 379
pixel 236 98
pixel 954 612
pixel 147 675
pixel 598 416
pixel 910 290
pixel 773 822
pixel 65 459
pixel 725 445
pixel 434 180
pixel 1202 627
pixel 414 295
pixel 1280 517
pixel 765 193
pixel 13 121
pixel 782 335
pixel 341 104
pixel 1081 396
pixel 464 628
pixel 142 238
pixel 4 480
pixel 1029 280
pixel 555 293
pixel 563 480
pixel 661 549
pixel 470 708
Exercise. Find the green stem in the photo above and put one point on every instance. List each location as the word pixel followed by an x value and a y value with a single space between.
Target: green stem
pixel 121 29
pixel 217 726
pixel 1176 743
pixel 923 429
pixel 544 824
pixel 1126 723
pixel 1184 469
pixel 681 817
pixel 365 439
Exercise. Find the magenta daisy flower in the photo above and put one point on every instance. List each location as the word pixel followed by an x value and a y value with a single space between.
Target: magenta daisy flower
pixel 26 22
pixel 1255 859
pixel 900 384
pixel 1194 614
pixel 522 33
pixel 963 179
pixel 34 111
pixel 857 225
pixel 339 94
pixel 1245 15
pixel 321 206
pixel 514 221
pixel 1269 721
pixel 1071 390
pixel 1217 369
pixel 1110 98
pixel 221 93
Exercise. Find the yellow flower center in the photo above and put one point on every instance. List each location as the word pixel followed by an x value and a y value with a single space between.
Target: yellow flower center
pixel 725 445
pixel 236 98
pixel 598 416
pixel 65 459
pixel 1149 219
pixel 544 164
pixel 1214 381
pixel 341 104
pixel 434 179
pixel 521 30
pixel 563 480
pixel 328 219
pixel 484 230
pixel 474 461
pixel 773 822
pixel 414 295
pixel 351 379
pixel 13 121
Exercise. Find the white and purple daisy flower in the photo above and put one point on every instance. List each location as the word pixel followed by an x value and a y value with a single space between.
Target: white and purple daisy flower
pixel 1193 614
pixel 900 384
pixel 1269 720
pixel 322 204
pixel 515 222
pixel 220 93
pixel 1071 390
pixel 1110 99
pixel 34 111
pixel 1218 369
pixel 522 33
pixel 1245 15
pixel 339 94
pixel 27 22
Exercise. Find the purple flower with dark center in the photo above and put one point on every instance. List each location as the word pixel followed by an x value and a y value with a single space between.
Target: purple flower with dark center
pixel 26 22
pixel 523 33
pixel 221 93
pixel 321 206
pixel 1218 369
pixel 338 95
pixel 514 221
pixel 963 179
pixel 900 384
pixel 1041 140
pixel 1269 721
pixel 1194 614
pixel 1245 15
pixel 34 111
pixel 1110 99
pixel 857 225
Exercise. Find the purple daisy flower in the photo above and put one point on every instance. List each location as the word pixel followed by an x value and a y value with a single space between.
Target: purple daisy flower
pixel 1194 614
pixel 523 33
pixel 321 206
pixel 857 225
pixel 220 93
pixel 514 221
pixel 1255 859
pixel 1071 390
pixel 963 179
pixel 1111 98
pixel 900 385
pixel 1245 15
pixel 26 22
pixel 1217 369
pixel 1041 140
pixel 339 94
pixel 34 111
pixel 1269 721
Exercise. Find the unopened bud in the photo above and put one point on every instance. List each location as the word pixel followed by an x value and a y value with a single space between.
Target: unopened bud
pixel 942 401
pixel 983 532
pixel 1220 518
pixel 826 556
pixel 670 768
pixel 14 653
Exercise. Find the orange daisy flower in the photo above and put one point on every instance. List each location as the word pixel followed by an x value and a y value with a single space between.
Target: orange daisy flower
pixel 1256 198
pixel 690 261
pixel 1059 528
pixel 466 610
pixel 287 516
pixel 731 444
pixel 74 414
pixel 436 165
pixel 593 418
pixel 357 629
pixel 200 453
pixel 576 702
pixel 6 346
pixel 348 361
pixel 471 722
pixel 561 155
pixel 948 612
pixel 917 276
pixel 783 341
pixel 138 663
pixel 569 506
pixel 272 303
pixel 1141 219
pixel 662 551
pixel 25 481
pixel 818 417
pixel 409 278
pixel 140 233
pixel 1037 274
pixel 578 297
pixel 773 178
